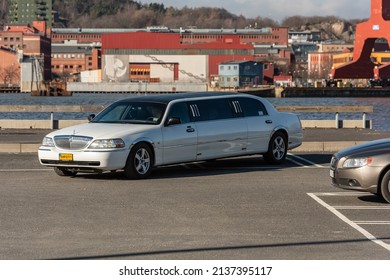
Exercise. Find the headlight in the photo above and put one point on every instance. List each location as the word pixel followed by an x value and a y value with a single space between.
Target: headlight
pixel 107 144
pixel 48 142
pixel 357 162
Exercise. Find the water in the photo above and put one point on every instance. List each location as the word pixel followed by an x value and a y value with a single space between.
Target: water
pixel 380 116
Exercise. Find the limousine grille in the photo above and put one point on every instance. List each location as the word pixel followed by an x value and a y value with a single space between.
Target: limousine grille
pixel 72 142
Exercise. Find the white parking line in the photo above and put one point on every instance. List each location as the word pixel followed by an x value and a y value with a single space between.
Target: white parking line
pixel 372 222
pixel 297 163
pixel 25 170
pixel 361 207
pixel 354 225
pixel 340 194
pixel 305 160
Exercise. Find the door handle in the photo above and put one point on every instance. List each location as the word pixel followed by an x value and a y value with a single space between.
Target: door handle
pixel 268 121
pixel 190 129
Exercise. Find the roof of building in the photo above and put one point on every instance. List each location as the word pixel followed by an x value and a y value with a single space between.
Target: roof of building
pixel 235 62
pixel 8 50
pixel 163 29
pixel 71 49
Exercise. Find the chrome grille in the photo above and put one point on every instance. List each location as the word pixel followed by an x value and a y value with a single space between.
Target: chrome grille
pixel 72 142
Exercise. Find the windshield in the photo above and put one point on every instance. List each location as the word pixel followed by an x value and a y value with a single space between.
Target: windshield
pixel 132 112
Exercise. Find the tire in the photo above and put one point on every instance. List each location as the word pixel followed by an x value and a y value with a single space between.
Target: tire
pixel 140 162
pixel 277 149
pixel 385 186
pixel 61 171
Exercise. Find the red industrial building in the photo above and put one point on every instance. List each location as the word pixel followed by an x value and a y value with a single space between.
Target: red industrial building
pixel 32 41
pixel 266 45
pixel 71 59
pixel 155 45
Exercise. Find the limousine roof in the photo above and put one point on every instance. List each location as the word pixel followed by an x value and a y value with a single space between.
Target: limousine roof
pixel 166 98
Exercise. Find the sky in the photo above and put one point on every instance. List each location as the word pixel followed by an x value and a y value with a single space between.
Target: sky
pixel 279 9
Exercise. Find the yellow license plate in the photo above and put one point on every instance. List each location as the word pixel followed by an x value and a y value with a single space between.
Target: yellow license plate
pixel 66 157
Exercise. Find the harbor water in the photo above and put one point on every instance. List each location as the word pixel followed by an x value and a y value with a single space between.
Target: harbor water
pixel 380 117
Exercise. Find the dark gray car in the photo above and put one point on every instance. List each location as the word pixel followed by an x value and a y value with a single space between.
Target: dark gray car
pixel 364 167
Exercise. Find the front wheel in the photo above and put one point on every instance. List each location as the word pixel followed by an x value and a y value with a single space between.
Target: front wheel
pixel 385 186
pixel 277 149
pixel 61 171
pixel 139 163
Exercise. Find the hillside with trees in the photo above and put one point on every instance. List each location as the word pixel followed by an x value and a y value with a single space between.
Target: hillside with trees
pixel 133 14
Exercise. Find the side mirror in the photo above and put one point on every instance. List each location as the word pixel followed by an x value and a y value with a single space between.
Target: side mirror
pixel 91 117
pixel 173 121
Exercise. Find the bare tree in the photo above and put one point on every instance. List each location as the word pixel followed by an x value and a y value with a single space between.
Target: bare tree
pixel 9 75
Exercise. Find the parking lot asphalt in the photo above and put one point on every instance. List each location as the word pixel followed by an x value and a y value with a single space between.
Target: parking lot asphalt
pixel 230 209
pixel 315 139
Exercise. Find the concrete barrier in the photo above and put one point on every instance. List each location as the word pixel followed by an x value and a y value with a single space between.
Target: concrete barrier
pixel 55 124
pixel 16 148
pixel 317 147
pixel 58 124
pixel 336 124
pixel 38 124
pixel 325 147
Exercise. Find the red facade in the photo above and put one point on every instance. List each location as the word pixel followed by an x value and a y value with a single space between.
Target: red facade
pixel 150 40
pixel 229 46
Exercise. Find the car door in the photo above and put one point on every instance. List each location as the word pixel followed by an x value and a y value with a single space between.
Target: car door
pixel 259 124
pixel 179 135
pixel 219 133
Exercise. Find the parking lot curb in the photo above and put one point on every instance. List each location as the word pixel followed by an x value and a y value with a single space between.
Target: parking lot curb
pixel 321 147
pixel 19 147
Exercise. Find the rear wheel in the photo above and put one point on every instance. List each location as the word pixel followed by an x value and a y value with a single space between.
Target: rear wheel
pixel 385 186
pixel 140 161
pixel 61 171
pixel 277 148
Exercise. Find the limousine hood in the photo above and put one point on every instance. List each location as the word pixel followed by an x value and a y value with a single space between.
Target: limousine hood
pixel 102 130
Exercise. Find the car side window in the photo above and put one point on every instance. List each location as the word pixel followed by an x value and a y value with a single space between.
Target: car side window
pixel 180 111
pixel 212 109
pixel 252 107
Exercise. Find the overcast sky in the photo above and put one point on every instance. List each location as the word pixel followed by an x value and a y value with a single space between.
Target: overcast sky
pixel 280 9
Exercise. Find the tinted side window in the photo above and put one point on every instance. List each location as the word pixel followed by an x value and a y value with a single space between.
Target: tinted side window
pixel 179 110
pixel 215 109
pixel 252 107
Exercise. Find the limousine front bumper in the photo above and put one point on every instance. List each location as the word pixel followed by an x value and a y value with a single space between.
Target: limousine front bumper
pixel 102 159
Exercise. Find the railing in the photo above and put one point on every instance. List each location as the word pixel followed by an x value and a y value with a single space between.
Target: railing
pixel 53 124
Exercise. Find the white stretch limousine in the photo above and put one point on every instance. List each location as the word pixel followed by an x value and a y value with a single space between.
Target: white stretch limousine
pixel 141 132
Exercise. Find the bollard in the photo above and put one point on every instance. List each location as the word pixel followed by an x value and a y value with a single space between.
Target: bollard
pixel 337 120
pixel 52 120
pixel 364 120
